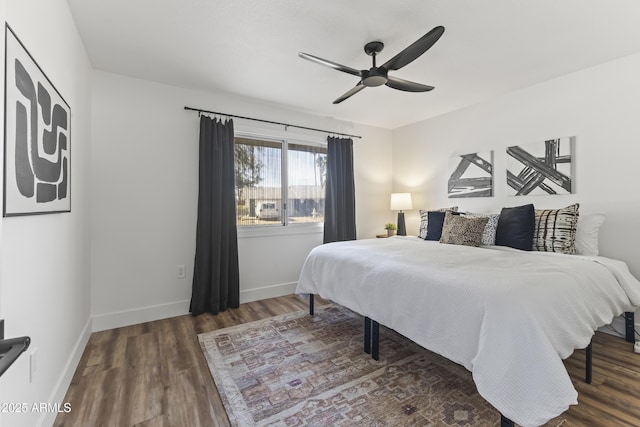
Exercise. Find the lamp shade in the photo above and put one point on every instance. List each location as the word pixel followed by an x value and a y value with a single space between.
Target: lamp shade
pixel 401 201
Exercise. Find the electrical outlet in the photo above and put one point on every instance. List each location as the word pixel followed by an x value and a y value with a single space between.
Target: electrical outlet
pixel 33 365
pixel 636 347
pixel 181 272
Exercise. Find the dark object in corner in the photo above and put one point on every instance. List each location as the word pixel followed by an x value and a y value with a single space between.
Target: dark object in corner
pixel 630 327
pixel 506 422
pixel 11 349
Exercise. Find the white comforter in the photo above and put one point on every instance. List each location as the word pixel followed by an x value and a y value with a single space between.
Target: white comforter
pixel 508 316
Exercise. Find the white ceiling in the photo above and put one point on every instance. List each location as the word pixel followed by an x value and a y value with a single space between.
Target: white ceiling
pixel 250 47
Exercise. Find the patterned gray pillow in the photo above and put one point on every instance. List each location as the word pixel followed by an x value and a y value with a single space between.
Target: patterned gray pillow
pixel 489 233
pixel 461 230
pixel 555 230
pixel 424 219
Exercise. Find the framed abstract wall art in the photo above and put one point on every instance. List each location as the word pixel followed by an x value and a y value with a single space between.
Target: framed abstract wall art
pixel 471 175
pixel 538 168
pixel 37 139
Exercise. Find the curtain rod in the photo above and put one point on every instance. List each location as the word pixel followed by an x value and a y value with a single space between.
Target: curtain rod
pixel 273 123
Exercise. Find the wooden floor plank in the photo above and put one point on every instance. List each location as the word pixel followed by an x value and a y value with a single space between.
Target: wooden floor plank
pixel 143 389
pixel 155 375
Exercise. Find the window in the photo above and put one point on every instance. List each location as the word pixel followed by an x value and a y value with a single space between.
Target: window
pixel 279 182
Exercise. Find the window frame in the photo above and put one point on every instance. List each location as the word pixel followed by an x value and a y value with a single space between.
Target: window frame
pixel 284 227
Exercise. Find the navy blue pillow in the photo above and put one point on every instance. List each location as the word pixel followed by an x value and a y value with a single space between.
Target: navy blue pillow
pixel 516 227
pixel 435 221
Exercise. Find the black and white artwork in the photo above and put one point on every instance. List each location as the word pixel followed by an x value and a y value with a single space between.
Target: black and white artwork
pixel 541 168
pixel 37 137
pixel 471 175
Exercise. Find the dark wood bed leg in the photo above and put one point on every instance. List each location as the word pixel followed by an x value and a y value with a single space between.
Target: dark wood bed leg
pixel 588 368
pixel 629 323
pixel 375 340
pixel 311 304
pixel 367 335
pixel 506 422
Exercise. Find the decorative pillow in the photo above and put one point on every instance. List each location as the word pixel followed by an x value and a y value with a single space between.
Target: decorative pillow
pixel 516 226
pixel 434 227
pixel 556 230
pixel 424 219
pixel 461 230
pixel 587 233
pixel 489 233
pixel 436 221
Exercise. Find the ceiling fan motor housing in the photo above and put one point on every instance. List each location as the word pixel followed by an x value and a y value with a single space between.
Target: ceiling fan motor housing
pixel 374 77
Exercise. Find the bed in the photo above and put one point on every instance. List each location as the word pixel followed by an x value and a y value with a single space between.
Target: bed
pixel 508 316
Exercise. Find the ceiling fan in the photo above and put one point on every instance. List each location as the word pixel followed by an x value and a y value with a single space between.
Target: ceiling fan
pixel 377 76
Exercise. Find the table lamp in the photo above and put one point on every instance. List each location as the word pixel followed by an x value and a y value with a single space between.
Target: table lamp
pixel 400 202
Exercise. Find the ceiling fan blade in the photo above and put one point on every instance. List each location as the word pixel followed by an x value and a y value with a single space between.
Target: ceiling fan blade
pixel 330 64
pixel 357 88
pixel 406 85
pixel 416 49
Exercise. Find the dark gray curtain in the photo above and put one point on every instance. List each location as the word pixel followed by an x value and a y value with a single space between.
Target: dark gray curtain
pixel 216 284
pixel 340 197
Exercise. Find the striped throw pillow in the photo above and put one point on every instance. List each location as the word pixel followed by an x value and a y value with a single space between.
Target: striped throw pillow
pixel 555 229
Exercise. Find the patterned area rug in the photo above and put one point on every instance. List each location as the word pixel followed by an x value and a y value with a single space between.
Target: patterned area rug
pixel 301 370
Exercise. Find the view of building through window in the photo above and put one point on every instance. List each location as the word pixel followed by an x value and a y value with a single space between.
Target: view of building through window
pixel 268 194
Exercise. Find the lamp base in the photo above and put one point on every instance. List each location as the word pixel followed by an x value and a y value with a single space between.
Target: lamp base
pixel 402 229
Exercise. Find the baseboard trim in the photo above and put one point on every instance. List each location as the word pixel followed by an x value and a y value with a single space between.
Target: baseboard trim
pixel 62 385
pixel 119 319
pixel 266 292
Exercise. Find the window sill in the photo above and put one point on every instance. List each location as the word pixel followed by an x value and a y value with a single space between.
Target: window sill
pixel 279 230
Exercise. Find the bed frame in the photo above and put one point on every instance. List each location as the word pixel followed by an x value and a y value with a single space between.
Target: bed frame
pixel 372 346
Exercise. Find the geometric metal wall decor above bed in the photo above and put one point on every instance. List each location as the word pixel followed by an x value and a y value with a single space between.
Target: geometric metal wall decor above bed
pixel 37 138
pixel 471 175
pixel 541 167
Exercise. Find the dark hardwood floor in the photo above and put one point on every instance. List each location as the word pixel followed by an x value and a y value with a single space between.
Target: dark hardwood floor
pixel 154 374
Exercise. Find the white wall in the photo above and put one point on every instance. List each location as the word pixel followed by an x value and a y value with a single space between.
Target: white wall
pixel 2 19
pixel 598 105
pixel 44 272
pixel 144 189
